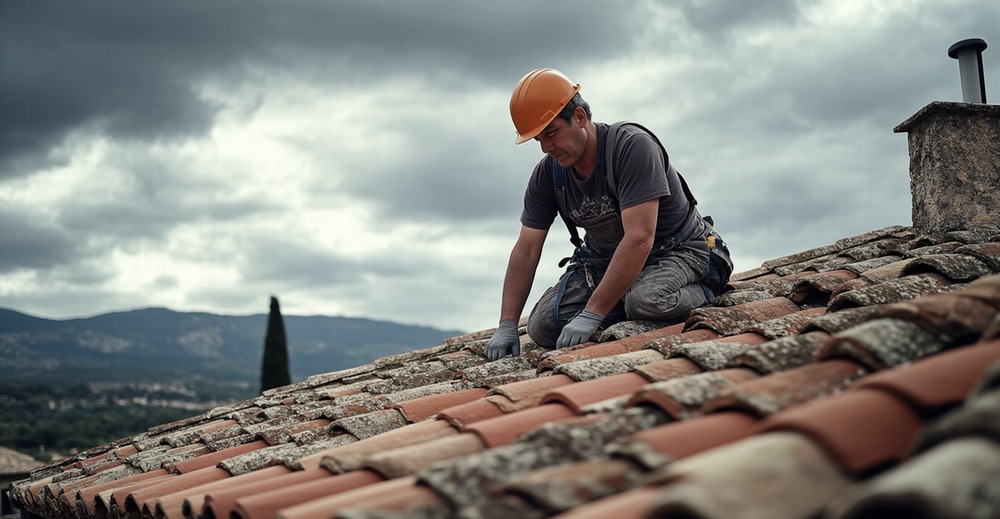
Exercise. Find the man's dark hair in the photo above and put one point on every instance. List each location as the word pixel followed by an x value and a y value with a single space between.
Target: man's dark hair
pixel 567 111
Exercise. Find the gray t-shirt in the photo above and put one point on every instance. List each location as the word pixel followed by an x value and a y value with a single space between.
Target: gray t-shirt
pixel 641 173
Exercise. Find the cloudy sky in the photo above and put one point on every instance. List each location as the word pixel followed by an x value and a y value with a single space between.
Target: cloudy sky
pixel 357 158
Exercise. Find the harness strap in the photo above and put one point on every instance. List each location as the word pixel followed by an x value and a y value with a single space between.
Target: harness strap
pixel 608 157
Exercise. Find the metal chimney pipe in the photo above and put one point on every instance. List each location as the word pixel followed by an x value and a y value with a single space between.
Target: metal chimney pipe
pixel 969 54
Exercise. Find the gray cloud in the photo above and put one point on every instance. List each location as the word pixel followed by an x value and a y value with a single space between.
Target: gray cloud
pixel 207 154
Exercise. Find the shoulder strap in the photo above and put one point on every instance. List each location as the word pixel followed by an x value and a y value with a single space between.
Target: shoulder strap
pixel 559 178
pixel 609 158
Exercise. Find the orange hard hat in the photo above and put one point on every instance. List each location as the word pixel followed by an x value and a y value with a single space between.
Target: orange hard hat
pixel 537 99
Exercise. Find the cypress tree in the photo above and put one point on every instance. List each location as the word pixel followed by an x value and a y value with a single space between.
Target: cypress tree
pixel 274 370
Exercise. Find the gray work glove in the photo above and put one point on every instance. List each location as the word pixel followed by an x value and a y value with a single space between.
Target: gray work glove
pixel 505 340
pixel 580 329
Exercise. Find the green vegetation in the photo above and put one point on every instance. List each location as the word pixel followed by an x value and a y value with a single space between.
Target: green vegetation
pixel 35 417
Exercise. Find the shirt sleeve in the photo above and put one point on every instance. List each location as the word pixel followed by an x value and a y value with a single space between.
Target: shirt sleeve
pixel 640 168
pixel 540 205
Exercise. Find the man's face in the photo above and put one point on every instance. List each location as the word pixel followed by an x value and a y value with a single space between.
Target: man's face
pixel 564 141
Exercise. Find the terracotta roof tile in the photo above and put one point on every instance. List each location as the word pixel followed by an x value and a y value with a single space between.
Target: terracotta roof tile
pixel 668 369
pixel 527 393
pixel 768 395
pixel 956 267
pixel 882 343
pixel 219 502
pixel 780 354
pixel 350 456
pixel 907 287
pixel 425 407
pixel 334 500
pixel 563 487
pixel 734 319
pixel 411 458
pixel 654 419
pixel 591 369
pixel 712 355
pixel 579 395
pixel 669 343
pixel 733 481
pixel 265 505
pixel 683 397
pixel 661 445
pixel 502 430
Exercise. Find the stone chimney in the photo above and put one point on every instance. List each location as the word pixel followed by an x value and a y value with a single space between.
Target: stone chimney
pixel 954 165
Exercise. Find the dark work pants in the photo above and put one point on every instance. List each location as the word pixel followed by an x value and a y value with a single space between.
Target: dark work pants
pixel 667 289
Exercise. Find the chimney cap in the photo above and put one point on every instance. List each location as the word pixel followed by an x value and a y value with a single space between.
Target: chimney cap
pixel 977 43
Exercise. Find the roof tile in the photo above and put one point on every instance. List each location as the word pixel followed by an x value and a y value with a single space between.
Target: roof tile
pixel 732 480
pixel 581 394
pixel 591 369
pixel 683 397
pixel 768 395
pixel 267 504
pixel 780 354
pixel 350 456
pixel 881 343
pixel 409 459
pixel 425 407
pixel 734 319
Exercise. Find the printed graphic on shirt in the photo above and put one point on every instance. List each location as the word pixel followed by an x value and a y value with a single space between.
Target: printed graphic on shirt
pixel 593 207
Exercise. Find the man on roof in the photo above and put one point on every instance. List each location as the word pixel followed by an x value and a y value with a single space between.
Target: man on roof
pixel 646 251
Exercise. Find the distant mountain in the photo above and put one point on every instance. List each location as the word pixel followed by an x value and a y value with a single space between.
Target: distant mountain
pixel 157 345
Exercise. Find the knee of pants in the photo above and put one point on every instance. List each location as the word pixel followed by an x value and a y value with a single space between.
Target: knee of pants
pixel 543 331
pixel 658 306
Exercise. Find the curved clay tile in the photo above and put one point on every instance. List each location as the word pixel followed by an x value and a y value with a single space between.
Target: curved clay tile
pixel 422 408
pixel 503 430
pixel 86 497
pixel 678 440
pixel 815 290
pixel 408 460
pixel 956 267
pixel 137 499
pixel 908 287
pixel 590 369
pixel 985 289
pixel 527 393
pixel 581 394
pixel 683 397
pixel 778 391
pixel 313 506
pixel 785 325
pixel 172 506
pixel 780 354
pixel 667 345
pixel 219 502
pixel 562 487
pixel 988 253
pixel 211 459
pixel 465 414
pixel 863 430
pixel 631 504
pixel 265 505
pixel 797 479
pixel 957 479
pixel 882 343
pixel 713 355
pixel 955 318
pixel 885 272
pixel 668 369
pixel 732 320
pixel 833 322
pixel 345 458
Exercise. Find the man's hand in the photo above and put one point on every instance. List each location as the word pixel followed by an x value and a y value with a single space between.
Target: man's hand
pixel 505 340
pixel 580 329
